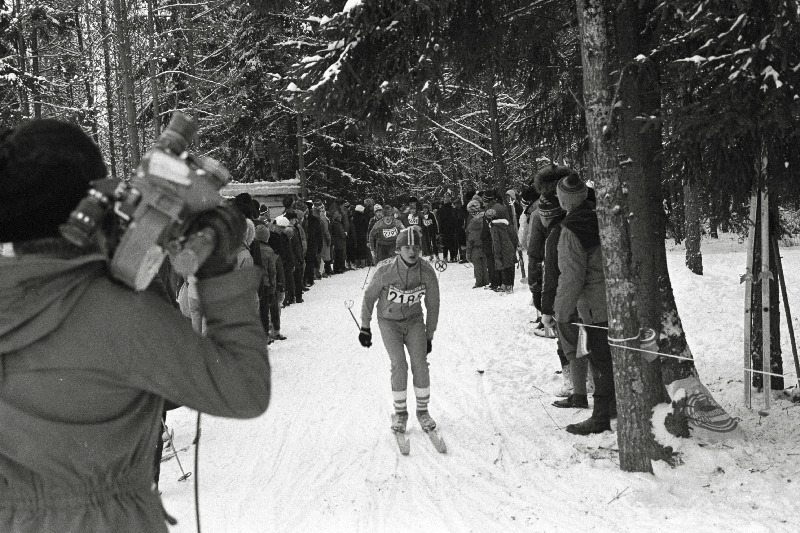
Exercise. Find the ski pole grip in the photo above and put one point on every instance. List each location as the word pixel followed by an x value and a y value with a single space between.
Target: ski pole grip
pixel 198 247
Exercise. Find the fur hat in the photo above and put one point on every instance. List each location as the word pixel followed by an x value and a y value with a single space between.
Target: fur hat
pixel 45 169
pixel 282 221
pixel 571 191
pixel 473 206
pixel 360 208
pixel 549 206
pixel 411 236
pixel 547 176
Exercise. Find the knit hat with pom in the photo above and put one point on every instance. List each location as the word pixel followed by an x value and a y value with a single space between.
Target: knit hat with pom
pixel 571 191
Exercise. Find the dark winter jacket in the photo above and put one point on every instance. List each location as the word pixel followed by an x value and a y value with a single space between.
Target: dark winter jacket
pixel 412 219
pixel 448 221
pixel 361 225
pixel 338 235
pixel 504 243
pixel 279 242
pixel 298 254
pixel 580 260
pixel 551 273
pixel 313 237
pixel 474 244
pixel 86 367
pixel 269 260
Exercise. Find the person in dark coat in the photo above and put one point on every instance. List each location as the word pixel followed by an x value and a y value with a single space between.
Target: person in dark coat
pixel 448 228
pixel 339 239
pixel 298 254
pixel 279 240
pixel 314 248
pixel 430 232
pixel 361 231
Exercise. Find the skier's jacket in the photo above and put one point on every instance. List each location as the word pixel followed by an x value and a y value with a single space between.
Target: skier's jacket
pixel 383 234
pixel 85 367
pixel 399 289
pixel 550 272
pixel 580 260
pixel 412 219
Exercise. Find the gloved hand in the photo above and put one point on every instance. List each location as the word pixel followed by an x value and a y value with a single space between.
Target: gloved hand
pixel 229 226
pixel 548 321
pixel 430 345
pixel 365 337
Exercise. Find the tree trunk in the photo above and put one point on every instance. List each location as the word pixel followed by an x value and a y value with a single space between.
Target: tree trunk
pixel 151 48
pixel 22 54
pixel 301 165
pixel 634 435
pixel 640 146
pixel 498 158
pixel 694 257
pixel 126 72
pixel 109 92
pixel 35 87
pixel 88 78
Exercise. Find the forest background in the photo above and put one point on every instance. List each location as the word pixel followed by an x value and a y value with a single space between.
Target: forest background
pixel 676 110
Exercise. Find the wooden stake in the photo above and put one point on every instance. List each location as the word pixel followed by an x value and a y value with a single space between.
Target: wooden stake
pixel 748 299
pixel 784 295
pixel 766 347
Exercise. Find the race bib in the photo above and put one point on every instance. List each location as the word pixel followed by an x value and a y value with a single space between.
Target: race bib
pixel 413 220
pixel 389 233
pixel 427 222
pixel 407 297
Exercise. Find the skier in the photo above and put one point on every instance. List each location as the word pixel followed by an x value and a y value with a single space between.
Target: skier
pixel 383 235
pixel 398 286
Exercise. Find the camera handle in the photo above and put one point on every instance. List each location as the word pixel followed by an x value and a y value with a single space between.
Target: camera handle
pixel 197 248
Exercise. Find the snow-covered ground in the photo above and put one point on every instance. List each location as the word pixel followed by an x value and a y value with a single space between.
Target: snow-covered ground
pixel 322 458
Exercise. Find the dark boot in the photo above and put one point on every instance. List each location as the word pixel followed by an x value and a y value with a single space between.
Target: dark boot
pixel 600 420
pixel 576 401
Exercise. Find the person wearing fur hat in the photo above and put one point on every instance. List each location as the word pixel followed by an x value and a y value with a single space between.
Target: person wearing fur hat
pixel 383 236
pixel 398 286
pixel 581 285
pixel 545 179
pixel 474 248
pixel 88 364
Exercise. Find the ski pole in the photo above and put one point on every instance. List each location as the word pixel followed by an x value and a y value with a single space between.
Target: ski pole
pixel 349 305
pixel 366 278
pixel 184 475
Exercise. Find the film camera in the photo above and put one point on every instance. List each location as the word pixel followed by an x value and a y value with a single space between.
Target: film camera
pixel 151 215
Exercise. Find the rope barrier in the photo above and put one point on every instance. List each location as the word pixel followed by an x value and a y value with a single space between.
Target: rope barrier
pixel 670 355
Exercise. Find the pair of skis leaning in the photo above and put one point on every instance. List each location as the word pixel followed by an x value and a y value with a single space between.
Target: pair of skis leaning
pixel 404 444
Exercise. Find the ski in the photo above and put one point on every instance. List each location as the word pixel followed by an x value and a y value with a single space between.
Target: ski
pixel 437 440
pixel 170 453
pixel 402 442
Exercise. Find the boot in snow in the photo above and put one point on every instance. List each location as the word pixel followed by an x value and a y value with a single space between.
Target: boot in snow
pixel 425 420
pixel 399 421
pixel 589 426
pixel 578 401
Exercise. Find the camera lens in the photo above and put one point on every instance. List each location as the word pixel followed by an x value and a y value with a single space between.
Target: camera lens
pixel 179 132
pixel 84 219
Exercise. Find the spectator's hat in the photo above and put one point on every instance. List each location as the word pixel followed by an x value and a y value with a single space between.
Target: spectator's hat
pixel 411 236
pixel 571 191
pixel 549 206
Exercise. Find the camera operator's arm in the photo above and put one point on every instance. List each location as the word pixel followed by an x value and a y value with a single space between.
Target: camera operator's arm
pixel 227 372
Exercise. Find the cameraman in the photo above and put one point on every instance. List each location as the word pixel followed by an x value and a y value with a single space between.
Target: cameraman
pixel 86 364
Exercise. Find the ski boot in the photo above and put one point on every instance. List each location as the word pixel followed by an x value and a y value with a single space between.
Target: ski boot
pixel 425 421
pixel 399 421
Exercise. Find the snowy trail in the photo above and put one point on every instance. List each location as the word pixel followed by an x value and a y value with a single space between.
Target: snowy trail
pixel 323 458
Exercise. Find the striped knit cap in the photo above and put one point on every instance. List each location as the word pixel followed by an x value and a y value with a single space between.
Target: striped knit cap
pixel 549 206
pixel 411 236
pixel 571 191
